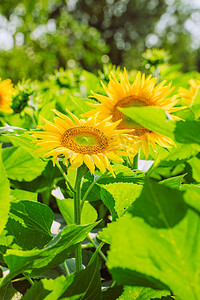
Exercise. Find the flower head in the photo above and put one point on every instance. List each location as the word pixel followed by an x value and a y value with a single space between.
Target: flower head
pixel 142 92
pixel 6 90
pixel 83 141
pixel 188 95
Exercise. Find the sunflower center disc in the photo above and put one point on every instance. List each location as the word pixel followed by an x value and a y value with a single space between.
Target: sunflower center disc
pixel 84 140
pixel 126 122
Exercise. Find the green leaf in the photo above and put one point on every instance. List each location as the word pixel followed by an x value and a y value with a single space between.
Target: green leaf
pixel 175 156
pixel 173 182
pixel 160 234
pixel 54 253
pixel 196 104
pixel 24 141
pixel 8 292
pixel 155 119
pixel 192 195
pixel 112 292
pixel 142 293
pixel 24 195
pixel 119 196
pixel 21 165
pixel 91 81
pixel 28 226
pixel 46 112
pixel 194 164
pixel 79 105
pixel 66 207
pixel 123 174
pixel 4 196
pixel 85 284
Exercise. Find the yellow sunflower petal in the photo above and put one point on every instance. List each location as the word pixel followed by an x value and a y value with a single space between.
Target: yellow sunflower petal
pixel 89 163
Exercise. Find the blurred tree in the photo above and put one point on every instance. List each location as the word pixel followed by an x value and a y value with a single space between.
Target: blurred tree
pixel 45 36
pixel 131 26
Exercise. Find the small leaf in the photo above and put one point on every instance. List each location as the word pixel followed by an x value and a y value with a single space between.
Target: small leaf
pixel 173 182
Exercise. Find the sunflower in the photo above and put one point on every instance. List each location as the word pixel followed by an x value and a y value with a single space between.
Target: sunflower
pixel 6 90
pixel 83 141
pixel 188 95
pixel 142 92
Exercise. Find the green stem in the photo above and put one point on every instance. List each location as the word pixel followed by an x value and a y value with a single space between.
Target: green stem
pixel 96 252
pixel 28 278
pixel 81 171
pixel 97 247
pixel 88 190
pixel 65 176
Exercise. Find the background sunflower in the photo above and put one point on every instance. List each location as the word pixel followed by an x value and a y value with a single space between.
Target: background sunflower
pixel 6 90
pixel 142 92
pixel 188 95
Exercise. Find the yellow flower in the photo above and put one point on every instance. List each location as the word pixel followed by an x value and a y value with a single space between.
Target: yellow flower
pixel 83 141
pixel 6 90
pixel 188 95
pixel 142 92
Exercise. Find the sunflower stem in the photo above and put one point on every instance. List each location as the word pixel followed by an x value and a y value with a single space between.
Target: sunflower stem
pixel 81 171
pixel 88 190
pixel 98 248
pixel 96 252
pixel 65 176
pixel 28 278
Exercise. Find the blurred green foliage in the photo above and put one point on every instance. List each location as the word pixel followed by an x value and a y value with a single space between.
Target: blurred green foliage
pixel 43 35
pixel 45 38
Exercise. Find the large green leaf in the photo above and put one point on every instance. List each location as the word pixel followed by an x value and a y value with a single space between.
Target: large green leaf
pixel 55 252
pixel 155 119
pixel 192 195
pixel 28 226
pixel 141 293
pixel 4 196
pixel 157 243
pixel 24 141
pixel 85 284
pixel 122 173
pixel 46 112
pixel 23 195
pixel 119 196
pixel 21 165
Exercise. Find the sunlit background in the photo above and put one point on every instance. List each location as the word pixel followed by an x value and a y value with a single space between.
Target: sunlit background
pixel 37 37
